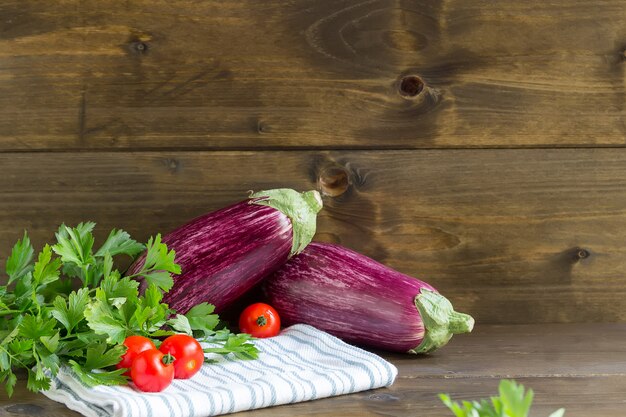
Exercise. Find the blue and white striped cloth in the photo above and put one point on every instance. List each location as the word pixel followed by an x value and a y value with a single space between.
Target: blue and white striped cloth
pixel 300 364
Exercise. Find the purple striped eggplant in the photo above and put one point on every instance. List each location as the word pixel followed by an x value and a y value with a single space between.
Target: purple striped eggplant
pixel 225 253
pixel 362 301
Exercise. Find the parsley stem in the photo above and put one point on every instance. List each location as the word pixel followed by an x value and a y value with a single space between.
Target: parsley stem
pixel 13 358
pixel 7 312
pixel 142 272
pixel 136 275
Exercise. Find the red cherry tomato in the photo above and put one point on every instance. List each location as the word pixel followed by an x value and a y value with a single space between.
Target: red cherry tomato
pixel 260 320
pixel 134 346
pixel 187 353
pixel 152 371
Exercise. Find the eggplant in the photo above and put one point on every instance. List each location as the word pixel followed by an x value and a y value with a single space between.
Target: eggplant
pixel 362 301
pixel 225 253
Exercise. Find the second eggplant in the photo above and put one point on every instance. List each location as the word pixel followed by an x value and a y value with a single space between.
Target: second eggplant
pixel 363 301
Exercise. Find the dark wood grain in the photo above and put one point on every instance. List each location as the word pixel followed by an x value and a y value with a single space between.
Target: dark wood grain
pixel 511 236
pixel 323 74
pixel 580 367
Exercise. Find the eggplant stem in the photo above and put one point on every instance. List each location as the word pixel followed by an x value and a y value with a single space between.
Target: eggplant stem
pixel 440 321
pixel 460 323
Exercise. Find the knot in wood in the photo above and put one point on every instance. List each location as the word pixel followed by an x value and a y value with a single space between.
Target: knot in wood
pixel 140 47
pixel 411 86
pixel 581 253
pixel 333 181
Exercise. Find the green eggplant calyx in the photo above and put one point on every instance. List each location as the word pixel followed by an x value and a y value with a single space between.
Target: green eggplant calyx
pixel 440 320
pixel 301 208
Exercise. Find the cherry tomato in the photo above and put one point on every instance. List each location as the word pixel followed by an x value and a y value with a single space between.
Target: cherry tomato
pixel 152 371
pixel 260 320
pixel 135 345
pixel 187 353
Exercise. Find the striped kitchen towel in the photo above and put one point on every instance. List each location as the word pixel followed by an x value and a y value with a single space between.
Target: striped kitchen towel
pixel 300 364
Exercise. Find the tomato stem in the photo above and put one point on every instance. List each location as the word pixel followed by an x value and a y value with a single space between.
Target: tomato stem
pixel 261 321
pixel 167 359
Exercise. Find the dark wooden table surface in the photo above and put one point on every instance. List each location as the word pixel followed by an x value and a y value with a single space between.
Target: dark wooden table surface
pixel 581 367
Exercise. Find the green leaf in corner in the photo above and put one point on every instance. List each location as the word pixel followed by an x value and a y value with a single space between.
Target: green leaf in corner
pixel 453 406
pixel 515 401
pixel 180 323
pixel 71 313
pixel 19 262
pixel 92 379
pixel 120 242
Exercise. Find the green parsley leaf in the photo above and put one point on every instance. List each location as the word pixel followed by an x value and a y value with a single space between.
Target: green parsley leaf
pixel 99 357
pixel 161 333
pixel 158 257
pixel 159 263
pixel 102 320
pixel 23 291
pixel 50 342
pixel 5 361
pixel 92 379
pixel 70 314
pixel 107 264
pixel 37 382
pixel 50 361
pixel 119 242
pixel 33 327
pixel 162 279
pixel 152 296
pixel 19 262
pixel 237 344
pixel 115 287
pixel 46 270
pixel 75 243
pixel 180 323
pixel 21 346
pixel 10 382
pixel 202 319
pixel 513 401
pixel 140 316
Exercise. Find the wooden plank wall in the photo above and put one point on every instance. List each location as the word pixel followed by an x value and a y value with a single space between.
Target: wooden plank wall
pixel 475 144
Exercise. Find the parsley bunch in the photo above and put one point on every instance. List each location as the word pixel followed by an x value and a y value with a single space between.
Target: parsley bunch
pixel 45 323
pixel 513 401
